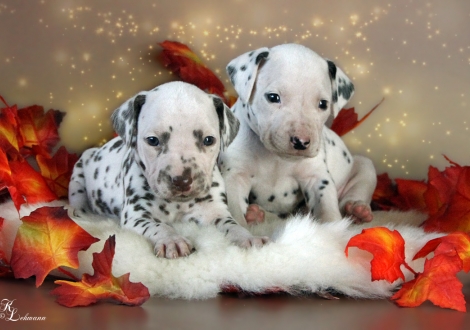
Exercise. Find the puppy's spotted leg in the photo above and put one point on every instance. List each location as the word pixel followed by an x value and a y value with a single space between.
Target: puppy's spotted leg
pixel 321 198
pixel 213 210
pixel 238 189
pixel 137 215
pixel 224 221
pixel 167 242
pixel 356 196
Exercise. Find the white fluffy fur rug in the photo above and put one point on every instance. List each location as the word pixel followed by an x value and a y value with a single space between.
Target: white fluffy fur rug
pixel 304 256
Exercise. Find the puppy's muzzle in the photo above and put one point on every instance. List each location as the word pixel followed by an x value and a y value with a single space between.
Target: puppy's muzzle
pixel 300 143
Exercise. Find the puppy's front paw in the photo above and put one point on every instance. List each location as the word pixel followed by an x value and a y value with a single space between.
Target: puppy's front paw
pixel 173 247
pixel 254 241
pixel 254 214
pixel 359 211
pixel 76 213
pixel 243 238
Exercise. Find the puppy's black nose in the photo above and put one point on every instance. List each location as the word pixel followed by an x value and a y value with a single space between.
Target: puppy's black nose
pixel 182 182
pixel 299 143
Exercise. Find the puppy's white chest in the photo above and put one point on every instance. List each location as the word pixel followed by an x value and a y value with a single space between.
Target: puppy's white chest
pixel 279 197
pixel 275 188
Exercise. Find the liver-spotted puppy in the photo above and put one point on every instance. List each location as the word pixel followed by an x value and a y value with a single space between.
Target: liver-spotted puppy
pixel 284 158
pixel 162 168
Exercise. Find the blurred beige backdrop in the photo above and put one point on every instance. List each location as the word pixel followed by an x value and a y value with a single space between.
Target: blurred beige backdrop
pixel 86 57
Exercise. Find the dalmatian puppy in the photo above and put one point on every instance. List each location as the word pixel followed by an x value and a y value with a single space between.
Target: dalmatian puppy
pixel 162 168
pixel 284 158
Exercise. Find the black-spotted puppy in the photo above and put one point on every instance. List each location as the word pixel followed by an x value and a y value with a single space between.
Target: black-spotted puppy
pixel 284 157
pixel 162 168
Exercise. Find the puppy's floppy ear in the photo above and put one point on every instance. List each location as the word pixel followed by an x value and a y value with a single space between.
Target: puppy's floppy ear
pixel 125 119
pixel 228 123
pixel 243 70
pixel 342 87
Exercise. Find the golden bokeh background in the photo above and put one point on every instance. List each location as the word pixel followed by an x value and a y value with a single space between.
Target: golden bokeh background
pixel 86 57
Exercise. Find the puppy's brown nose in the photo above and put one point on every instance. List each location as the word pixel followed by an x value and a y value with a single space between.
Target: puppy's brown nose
pixel 182 182
pixel 299 143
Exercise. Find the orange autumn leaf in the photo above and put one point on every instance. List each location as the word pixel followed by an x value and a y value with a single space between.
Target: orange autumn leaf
pixel 10 139
pixel 388 250
pixel 5 268
pixel 458 241
pixel 181 60
pixel 23 183
pixel 5 171
pixel 28 186
pixel 57 170
pixel 7 182
pixel 25 132
pixel 346 120
pixel 39 128
pixel 102 285
pixel 438 283
pixel 47 239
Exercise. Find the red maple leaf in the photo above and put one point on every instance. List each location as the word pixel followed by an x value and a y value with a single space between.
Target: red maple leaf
pixel 181 60
pixel 384 191
pixel 458 241
pixel 57 170
pixel 346 120
pixel 448 199
pixel 47 239
pixel 410 195
pixel 102 285
pixel 445 197
pixel 402 194
pixel 39 129
pixel 438 283
pixel 388 250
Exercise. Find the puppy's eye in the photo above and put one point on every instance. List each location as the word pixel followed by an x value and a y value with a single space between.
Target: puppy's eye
pixel 209 140
pixel 273 98
pixel 323 104
pixel 152 141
